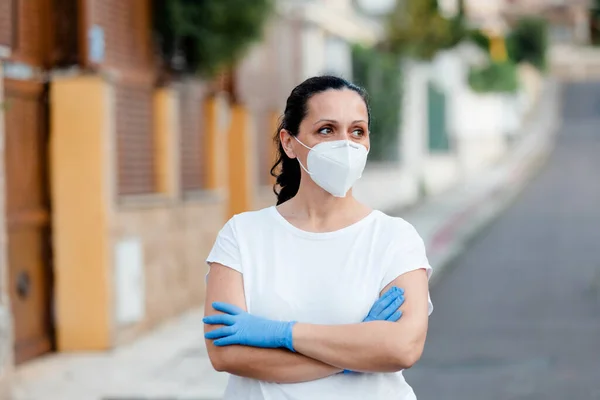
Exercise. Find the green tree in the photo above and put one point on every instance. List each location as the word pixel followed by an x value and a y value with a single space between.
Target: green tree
pixel 416 28
pixel 202 36
pixel 595 23
pixel 380 74
pixel 528 42
pixel 496 77
pixel 480 39
pixel 458 24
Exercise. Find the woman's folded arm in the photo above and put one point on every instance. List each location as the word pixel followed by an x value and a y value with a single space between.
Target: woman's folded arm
pixel 272 365
pixel 377 346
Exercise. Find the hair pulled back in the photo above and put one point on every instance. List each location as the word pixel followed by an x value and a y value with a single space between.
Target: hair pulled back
pixel 287 170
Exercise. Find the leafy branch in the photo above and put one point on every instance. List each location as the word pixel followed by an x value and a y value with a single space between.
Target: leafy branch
pixel 204 36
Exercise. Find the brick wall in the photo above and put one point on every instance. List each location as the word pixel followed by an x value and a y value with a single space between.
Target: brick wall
pixel 126 27
pixel 40 33
pixel 175 231
pixel 136 155
pixel 31 32
pixel 6 11
pixel 176 241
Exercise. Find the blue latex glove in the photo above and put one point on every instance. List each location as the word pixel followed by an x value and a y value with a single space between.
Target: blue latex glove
pixel 386 308
pixel 246 329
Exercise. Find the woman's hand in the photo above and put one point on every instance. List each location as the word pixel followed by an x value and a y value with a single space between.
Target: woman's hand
pixel 245 329
pixel 386 308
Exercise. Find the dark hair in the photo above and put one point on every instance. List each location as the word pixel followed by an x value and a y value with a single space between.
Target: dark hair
pixel 285 169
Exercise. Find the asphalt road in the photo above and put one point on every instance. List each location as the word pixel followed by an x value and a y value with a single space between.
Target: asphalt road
pixel 518 314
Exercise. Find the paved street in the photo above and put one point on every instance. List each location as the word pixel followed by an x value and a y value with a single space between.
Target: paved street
pixel 518 315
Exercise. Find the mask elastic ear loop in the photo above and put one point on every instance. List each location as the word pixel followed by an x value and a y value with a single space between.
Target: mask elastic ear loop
pixel 298 140
pixel 302 166
pixel 297 159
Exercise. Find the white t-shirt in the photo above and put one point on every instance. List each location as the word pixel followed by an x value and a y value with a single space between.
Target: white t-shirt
pixel 320 278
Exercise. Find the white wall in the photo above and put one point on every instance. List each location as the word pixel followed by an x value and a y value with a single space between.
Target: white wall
pixel 323 53
pixel 328 28
pixel 338 57
pixel 414 116
pixel 478 124
pixel 342 20
pixel 486 14
pixel 376 7
pixel 435 172
pixel 387 187
pixel 313 51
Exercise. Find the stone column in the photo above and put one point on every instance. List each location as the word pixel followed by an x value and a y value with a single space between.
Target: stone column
pixel 217 121
pixel 241 161
pixel 82 126
pixel 166 131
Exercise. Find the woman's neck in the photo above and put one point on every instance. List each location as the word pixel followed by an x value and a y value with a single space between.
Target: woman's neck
pixel 314 208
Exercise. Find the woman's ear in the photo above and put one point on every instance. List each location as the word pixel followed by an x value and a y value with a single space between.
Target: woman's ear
pixel 286 139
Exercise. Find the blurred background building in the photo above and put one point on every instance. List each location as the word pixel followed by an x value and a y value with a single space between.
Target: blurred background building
pixel 130 131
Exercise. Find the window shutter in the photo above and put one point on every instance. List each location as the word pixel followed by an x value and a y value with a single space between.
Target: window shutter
pixel 135 139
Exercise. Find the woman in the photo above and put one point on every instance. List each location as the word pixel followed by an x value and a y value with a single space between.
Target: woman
pixel 292 294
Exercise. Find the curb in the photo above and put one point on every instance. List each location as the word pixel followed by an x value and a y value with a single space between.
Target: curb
pixel 528 157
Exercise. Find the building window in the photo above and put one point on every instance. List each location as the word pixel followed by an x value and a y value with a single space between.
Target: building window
pixel 135 139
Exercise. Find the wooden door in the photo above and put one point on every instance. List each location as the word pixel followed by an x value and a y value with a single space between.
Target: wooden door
pixel 28 217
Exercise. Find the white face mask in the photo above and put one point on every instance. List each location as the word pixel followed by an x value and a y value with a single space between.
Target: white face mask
pixel 336 165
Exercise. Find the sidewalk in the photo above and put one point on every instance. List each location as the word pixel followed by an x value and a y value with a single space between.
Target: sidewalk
pixel 172 362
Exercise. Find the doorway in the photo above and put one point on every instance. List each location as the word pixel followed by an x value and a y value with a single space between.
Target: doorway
pixel 28 217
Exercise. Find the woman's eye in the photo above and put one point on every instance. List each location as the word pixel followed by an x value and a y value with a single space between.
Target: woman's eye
pixel 358 132
pixel 325 130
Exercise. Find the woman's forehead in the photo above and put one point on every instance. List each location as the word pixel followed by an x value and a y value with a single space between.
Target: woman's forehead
pixel 340 105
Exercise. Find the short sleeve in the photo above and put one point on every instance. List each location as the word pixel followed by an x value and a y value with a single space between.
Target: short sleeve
pixel 226 251
pixel 406 253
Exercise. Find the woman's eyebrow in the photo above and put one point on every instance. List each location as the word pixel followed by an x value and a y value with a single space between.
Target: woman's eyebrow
pixel 333 121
